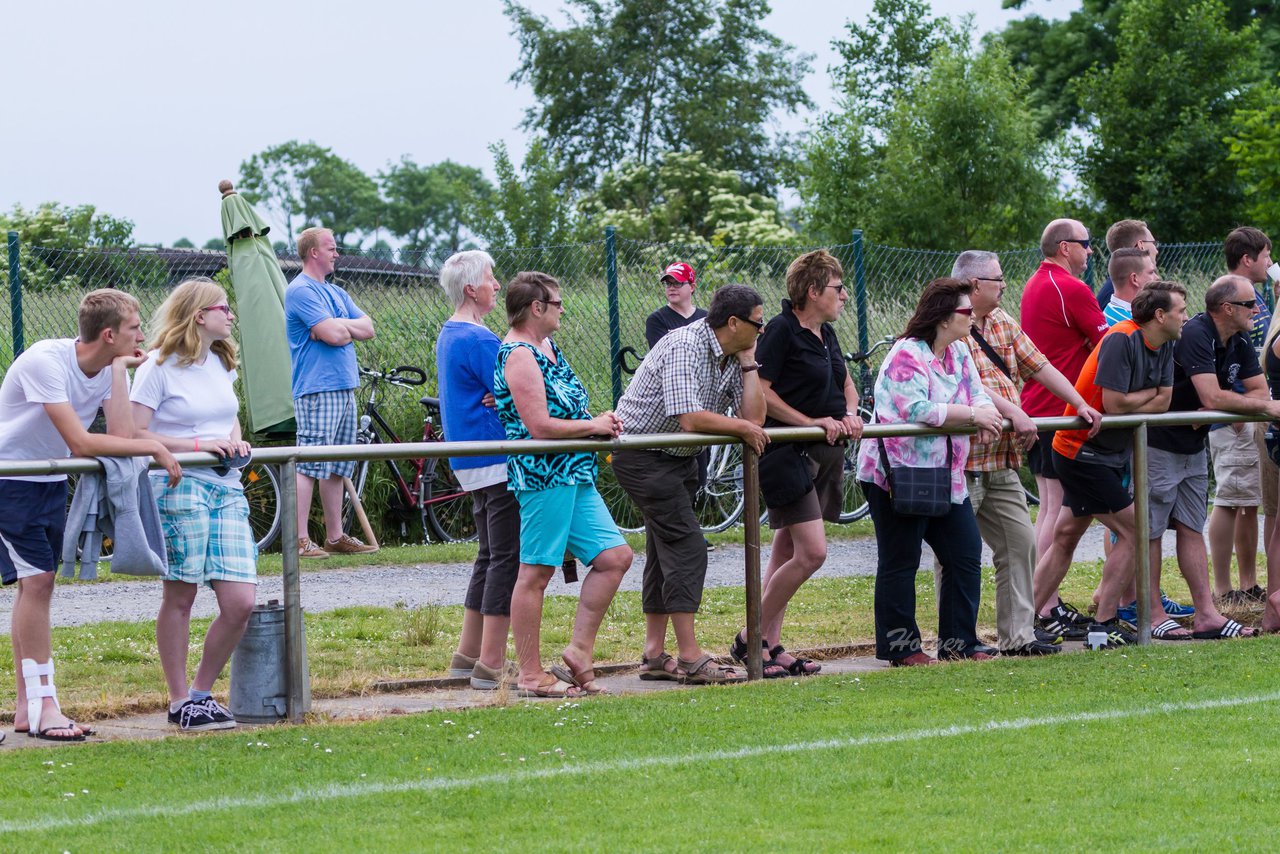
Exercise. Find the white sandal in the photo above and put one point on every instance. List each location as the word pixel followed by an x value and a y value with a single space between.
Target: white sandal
pixel 37 691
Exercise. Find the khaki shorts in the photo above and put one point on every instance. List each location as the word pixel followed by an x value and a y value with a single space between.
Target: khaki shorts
pixel 1235 467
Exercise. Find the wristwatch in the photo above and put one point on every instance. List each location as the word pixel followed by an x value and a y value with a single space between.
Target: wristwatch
pixel 754 366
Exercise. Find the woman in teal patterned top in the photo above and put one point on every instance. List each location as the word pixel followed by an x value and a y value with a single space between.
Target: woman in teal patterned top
pixel 539 397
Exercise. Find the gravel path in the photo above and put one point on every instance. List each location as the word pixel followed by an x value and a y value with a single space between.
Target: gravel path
pixel 441 584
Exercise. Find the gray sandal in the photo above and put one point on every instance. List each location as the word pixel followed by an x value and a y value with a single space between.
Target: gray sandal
pixel 655 669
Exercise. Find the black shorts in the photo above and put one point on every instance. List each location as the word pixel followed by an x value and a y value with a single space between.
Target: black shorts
pixel 1040 456
pixel 1092 488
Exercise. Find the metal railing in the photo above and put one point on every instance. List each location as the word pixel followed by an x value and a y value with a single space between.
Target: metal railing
pixel 288 457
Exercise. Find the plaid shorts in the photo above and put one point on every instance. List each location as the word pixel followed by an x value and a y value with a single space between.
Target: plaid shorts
pixel 206 531
pixel 326 418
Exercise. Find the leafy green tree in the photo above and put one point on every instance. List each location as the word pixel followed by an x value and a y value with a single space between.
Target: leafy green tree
pixel 629 79
pixel 55 226
pixel 1160 116
pixel 680 198
pixel 1255 153
pixel 183 243
pixel 883 56
pixel 962 164
pixel 433 207
pixel 533 209
pixel 215 244
pixel 307 184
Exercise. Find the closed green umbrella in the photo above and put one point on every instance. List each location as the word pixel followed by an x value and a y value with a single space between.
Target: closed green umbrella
pixel 265 371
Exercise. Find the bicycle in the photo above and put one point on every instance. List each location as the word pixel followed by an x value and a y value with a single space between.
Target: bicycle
pixel 718 502
pixel 430 491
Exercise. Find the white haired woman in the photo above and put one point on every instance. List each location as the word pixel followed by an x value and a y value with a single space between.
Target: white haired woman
pixel 466 352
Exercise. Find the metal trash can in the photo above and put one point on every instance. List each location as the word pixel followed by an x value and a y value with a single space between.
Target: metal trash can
pixel 259 676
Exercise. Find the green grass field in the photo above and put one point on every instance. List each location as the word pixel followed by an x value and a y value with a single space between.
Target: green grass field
pixel 1160 748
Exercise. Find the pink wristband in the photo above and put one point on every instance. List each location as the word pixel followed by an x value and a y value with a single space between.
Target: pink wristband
pixel 197 441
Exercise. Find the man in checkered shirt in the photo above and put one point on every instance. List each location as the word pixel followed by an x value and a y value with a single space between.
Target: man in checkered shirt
pixel 686 383
pixel 995 489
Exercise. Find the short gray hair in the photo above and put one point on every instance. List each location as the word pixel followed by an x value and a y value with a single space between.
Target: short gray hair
pixel 462 269
pixel 1222 290
pixel 971 262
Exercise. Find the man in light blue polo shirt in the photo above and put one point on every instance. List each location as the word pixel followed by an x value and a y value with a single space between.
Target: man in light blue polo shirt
pixel 322 323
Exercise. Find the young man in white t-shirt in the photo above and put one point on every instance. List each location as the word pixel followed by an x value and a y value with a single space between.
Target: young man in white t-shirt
pixel 48 399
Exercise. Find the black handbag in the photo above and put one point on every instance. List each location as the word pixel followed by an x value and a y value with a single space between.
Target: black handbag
pixel 916 490
pixel 784 474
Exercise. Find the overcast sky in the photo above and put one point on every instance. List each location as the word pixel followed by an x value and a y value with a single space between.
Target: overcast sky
pixel 140 107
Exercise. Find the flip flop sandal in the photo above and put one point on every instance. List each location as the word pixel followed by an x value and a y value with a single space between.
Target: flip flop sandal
pixel 706 671
pixel 557 689
pixel 798 667
pixel 1170 630
pixel 563 673
pixel 1229 629
pixel 655 670
pixel 47 734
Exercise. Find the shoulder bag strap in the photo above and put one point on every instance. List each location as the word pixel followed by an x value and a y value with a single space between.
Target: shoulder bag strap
pixel 990 351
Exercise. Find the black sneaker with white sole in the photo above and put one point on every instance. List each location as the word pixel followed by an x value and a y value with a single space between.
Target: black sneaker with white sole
pixel 1117 632
pixel 193 716
pixel 220 713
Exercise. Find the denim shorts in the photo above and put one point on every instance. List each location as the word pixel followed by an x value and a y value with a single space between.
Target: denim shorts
pixel 564 516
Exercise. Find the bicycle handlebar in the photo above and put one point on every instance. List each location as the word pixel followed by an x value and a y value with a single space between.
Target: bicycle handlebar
pixel 875 348
pixel 404 375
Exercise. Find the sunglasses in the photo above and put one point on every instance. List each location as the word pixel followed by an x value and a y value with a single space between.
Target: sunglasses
pixel 968 309
pixel 224 308
pixel 1086 242
pixel 757 324
pixel 557 303
pixel 1250 304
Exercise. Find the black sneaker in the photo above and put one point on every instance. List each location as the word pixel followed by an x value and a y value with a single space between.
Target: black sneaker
pixel 196 717
pixel 1066 621
pixel 1117 632
pixel 1034 647
pixel 220 713
pixel 1050 638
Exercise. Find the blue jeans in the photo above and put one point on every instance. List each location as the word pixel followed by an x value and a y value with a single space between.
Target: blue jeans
pixel 955 540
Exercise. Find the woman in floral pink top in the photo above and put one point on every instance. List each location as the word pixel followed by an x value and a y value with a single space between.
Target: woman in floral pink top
pixel 928 378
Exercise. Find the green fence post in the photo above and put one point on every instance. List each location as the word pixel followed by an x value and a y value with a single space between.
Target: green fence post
pixel 615 318
pixel 15 294
pixel 860 299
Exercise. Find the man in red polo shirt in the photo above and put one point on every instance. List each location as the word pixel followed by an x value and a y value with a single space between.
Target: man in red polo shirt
pixel 1061 316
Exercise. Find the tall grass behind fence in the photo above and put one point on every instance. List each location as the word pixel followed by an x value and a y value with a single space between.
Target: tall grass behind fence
pixel 401 292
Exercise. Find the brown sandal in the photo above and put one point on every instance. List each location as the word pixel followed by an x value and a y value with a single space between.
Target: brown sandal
pixel 705 670
pixel 584 680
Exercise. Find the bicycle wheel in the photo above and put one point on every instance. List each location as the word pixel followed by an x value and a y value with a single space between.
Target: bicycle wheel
pixel 718 503
pixel 623 510
pixel 449 510
pixel 854 505
pixel 108 544
pixel 262 491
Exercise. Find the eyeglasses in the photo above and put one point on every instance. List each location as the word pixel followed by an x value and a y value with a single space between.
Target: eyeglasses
pixel 224 308
pixel 557 303
pixel 1250 304
pixel 1150 244
pixel 757 324
pixel 838 288
pixel 1085 242
pixel 999 279
pixel 968 309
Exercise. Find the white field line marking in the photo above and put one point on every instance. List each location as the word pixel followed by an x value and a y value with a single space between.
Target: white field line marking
pixel 337 791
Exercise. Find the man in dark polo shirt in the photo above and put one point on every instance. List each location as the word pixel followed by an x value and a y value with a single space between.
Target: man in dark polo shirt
pixel 1213 354
pixel 686 383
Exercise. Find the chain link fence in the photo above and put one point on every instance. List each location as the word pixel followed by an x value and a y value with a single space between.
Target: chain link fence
pixel 609 288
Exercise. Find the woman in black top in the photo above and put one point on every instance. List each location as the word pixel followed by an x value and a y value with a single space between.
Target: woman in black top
pixel 806 385
pixel 679 281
